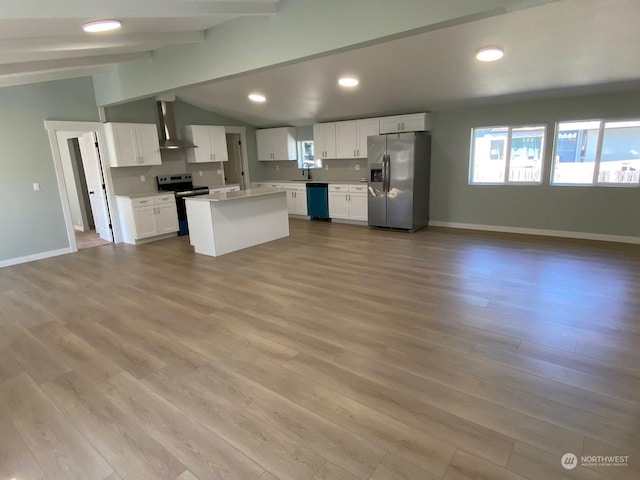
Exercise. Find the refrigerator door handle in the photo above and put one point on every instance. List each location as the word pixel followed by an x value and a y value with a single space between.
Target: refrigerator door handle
pixel 386 173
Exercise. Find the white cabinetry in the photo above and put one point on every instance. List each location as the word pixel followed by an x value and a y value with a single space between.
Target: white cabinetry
pixel 351 137
pixel 296 198
pixel 348 202
pixel 358 203
pixel 211 142
pixel 416 122
pixel 324 140
pixel 145 217
pixel 132 144
pixel 277 144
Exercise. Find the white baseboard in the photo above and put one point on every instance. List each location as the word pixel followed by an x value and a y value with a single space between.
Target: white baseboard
pixel 37 256
pixel 350 222
pixel 538 231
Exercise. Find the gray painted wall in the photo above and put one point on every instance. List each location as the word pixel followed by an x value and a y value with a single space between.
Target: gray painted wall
pixel 601 210
pixel 32 222
pixel 127 180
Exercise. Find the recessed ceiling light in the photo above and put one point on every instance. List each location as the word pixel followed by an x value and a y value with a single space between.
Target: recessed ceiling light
pixel 257 97
pixel 101 26
pixel 490 54
pixel 348 81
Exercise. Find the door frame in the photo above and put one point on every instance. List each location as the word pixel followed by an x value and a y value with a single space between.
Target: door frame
pixel 245 156
pixel 53 127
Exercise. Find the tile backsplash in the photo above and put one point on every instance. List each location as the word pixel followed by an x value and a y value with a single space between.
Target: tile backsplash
pixel 126 180
pixel 339 170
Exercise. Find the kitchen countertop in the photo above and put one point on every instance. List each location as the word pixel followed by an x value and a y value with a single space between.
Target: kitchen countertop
pixel 142 195
pixel 222 186
pixel 338 182
pixel 224 196
pixel 164 192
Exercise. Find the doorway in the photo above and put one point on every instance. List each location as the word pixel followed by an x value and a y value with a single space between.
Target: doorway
pixel 234 167
pixel 83 178
pixel 84 183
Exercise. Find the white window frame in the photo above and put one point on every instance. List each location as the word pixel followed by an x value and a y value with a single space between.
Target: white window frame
pixel 597 160
pixel 507 150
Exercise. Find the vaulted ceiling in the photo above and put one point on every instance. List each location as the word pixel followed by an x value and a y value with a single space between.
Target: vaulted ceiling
pixel 212 53
pixel 43 39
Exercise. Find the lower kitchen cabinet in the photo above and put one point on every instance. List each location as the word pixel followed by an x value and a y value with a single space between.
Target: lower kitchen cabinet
pixel 296 198
pixel 144 217
pixel 348 202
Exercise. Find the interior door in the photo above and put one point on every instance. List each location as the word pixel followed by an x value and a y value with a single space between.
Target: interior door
pixel 97 194
pixel 233 172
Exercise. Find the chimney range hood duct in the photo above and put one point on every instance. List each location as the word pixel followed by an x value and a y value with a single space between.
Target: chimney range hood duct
pixel 169 138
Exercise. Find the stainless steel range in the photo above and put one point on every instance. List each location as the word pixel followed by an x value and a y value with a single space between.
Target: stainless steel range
pixel 181 184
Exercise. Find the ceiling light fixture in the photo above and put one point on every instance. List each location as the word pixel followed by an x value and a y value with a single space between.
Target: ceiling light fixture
pixel 257 97
pixel 490 54
pixel 348 81
pixel 101 26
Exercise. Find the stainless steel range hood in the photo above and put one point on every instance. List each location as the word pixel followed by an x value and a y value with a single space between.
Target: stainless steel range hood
pixel 169 136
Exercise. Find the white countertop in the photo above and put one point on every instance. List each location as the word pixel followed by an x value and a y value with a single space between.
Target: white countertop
pixel 167 192
pixel 337 182
pixel 224 196
pixel 223 186
pixel 142 195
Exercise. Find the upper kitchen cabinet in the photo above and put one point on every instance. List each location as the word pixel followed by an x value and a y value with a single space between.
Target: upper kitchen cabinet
pixel 351 137
pixel 416 122
pixel 324 140
pixel 211 143
pixel 132 144
pixel 277 144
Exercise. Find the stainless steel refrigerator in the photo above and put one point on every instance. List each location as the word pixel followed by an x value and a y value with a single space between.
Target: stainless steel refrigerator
pixel 398 180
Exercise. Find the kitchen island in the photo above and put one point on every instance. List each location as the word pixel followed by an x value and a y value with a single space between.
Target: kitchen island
pixel 225 222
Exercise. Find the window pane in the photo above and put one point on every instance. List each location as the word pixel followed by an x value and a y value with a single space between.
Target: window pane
pixel 305 155
pixel 576 149
pixel 620 158
pixel 488 160
pixel 527 147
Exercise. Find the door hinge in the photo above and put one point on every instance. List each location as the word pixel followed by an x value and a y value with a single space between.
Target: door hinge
pixel 111 226
pixel 239 142
pixel 104 187
pixel 97 145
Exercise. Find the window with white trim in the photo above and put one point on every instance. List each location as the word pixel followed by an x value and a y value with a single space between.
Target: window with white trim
pixel 507 155
pixel 597 152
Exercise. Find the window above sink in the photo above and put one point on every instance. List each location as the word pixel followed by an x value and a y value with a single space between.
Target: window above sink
pixel 306 155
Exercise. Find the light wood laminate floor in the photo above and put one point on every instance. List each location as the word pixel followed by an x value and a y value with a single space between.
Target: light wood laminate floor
pixel 339 353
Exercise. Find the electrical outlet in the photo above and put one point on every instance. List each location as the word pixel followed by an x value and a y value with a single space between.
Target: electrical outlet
pixel 326 167
pixel 200 172
pixel 357 167
pixel 219 171
pixel 36 187
pixel 142 178
pixel 277 167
